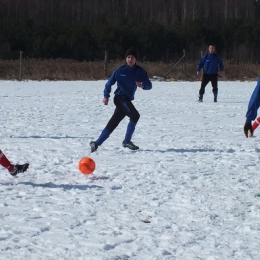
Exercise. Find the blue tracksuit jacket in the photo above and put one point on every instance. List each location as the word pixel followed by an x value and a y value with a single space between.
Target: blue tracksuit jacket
pixel 254 103
pixel 125 76
pixel 210 63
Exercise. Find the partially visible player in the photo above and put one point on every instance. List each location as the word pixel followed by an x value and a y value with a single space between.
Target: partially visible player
pixel 253 106
pixel 13 169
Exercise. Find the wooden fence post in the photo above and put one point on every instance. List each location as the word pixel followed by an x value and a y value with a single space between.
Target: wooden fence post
pixel 21 66
pixel 184 61
pixel 180 60
pixel 105 63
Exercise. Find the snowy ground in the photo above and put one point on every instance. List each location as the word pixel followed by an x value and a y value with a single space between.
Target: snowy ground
pixel 188 193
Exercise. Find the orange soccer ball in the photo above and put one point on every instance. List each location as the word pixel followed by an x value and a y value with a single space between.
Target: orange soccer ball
pixel 87 165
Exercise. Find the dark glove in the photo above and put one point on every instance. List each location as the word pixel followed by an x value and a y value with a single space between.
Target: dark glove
pixel 248 130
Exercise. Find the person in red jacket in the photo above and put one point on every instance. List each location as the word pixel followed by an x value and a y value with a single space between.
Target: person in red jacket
pixel 13 169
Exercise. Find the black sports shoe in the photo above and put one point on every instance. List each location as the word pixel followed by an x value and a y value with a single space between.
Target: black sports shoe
pixel 215 99
pixel 93 146
pixel 200 98
pixel 18 168
pixel 130 145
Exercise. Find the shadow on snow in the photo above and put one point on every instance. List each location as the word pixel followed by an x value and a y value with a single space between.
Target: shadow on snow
pixel 61 186
pixel 188 150
pixel 49 137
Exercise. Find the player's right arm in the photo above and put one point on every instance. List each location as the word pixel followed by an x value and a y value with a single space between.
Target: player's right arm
pixel 111 81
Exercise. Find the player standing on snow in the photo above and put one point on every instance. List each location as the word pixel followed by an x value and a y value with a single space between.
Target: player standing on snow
pixel 128 78
pixel 211 64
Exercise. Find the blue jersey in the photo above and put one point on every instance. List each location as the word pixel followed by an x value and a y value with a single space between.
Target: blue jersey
pixel 254 103
pixel 210 63
pixel 125 76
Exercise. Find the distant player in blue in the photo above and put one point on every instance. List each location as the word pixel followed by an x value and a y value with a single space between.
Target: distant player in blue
pixel 128 77
pixel 253 106
pixel 211 64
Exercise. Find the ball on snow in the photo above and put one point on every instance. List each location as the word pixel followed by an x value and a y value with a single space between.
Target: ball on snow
pixel 87 165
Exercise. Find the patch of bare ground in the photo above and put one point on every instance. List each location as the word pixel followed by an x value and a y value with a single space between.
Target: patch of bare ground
pixel 61 69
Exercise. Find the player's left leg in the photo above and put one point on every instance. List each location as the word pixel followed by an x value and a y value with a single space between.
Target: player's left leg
pixel 214 83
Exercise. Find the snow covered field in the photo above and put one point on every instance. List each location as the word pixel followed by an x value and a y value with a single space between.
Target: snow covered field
pixel 188 193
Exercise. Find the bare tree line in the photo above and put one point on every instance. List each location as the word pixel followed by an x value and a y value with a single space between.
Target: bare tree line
pixel 162 11
pixel 85 29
